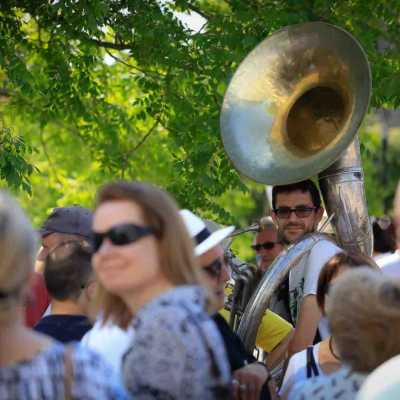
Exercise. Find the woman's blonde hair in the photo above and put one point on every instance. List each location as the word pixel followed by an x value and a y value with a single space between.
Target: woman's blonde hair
pixel 363 311
pixel 18 247
pixel 175 246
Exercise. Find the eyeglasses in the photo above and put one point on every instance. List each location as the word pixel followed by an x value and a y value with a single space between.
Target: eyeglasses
pixel 120 235
pixel 265 246
pixel 300 211
pixel 214 269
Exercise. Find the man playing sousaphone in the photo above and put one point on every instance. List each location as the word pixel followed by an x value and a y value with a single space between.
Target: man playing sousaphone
pixel 297 211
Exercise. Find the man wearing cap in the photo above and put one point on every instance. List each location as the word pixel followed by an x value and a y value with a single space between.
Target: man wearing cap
pixel 250 376
pixel 64 224
pixel 70 282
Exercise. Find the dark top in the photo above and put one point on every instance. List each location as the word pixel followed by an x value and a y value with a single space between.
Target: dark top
pixel 238 356
pixel 64 328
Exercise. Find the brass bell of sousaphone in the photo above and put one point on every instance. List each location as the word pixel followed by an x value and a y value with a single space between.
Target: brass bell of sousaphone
pixel 292 111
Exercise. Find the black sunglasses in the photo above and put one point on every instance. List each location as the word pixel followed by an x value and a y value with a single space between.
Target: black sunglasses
pixel 300 211
pixel 265 245
pixel 213 269
pixel 120 235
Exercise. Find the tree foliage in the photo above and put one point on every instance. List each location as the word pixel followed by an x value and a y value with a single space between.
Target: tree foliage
pixel 124 89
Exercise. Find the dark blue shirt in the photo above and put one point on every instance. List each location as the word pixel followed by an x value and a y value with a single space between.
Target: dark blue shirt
pixel 64 328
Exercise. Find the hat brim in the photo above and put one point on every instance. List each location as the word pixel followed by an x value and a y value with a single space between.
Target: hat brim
pixel 213 240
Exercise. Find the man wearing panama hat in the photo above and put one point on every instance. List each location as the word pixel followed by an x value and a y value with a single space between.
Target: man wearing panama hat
pixel 249 375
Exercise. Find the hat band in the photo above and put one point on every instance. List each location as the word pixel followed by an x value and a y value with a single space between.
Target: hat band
pixel 202 236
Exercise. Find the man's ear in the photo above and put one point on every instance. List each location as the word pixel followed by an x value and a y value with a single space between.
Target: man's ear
pixel 274 218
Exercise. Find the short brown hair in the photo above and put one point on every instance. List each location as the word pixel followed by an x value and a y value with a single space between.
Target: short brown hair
pixel 175 245
pixel 68 269
pixel 306 186
pixel 363 311
pixel 332 267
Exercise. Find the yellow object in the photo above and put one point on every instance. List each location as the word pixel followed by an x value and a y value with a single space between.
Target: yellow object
pixel 272 330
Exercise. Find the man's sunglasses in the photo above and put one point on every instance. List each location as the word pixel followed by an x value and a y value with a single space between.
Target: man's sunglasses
pixel 265 246
pixel 120 235
pixel 213 269
pixel 300 211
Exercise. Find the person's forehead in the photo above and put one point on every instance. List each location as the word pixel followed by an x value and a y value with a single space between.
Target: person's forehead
pixel 293 199
pixel 111 213
pixel 268 234
pixel 211 255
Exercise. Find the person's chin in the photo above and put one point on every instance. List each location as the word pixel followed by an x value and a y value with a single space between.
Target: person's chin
pixel 220 297
pixel 292 236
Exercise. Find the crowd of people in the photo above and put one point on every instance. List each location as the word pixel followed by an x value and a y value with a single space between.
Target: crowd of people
pixel 129 301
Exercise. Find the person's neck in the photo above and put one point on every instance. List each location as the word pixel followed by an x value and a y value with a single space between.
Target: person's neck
pixel 18 342
pixel 136 299
pixel 67 307
pixel 14 324
pixel 328 362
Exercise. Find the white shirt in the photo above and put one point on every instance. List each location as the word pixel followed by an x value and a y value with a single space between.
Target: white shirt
pixel 297 370
pixel 303 279
pixel 341 385
pixel 110 341
pixel 390 264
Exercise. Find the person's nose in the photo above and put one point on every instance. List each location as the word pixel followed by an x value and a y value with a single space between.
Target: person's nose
pixel 292 217
pixel 225 273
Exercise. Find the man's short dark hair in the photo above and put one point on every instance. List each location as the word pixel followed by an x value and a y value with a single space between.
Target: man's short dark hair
pixel 67 270
pixel 304 186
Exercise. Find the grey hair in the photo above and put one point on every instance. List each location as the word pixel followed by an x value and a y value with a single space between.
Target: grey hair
pixel 18 245
pixel 363 311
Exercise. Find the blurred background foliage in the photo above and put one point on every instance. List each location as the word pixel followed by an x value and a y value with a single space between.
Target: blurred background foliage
pixel 119 89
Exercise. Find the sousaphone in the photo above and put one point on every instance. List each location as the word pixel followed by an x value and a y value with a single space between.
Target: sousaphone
pixel 291 112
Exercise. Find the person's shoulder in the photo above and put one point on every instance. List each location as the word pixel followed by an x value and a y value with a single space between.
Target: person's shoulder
pixel 299 359
pixel 327 244
pixel 322 384
pixel 94 377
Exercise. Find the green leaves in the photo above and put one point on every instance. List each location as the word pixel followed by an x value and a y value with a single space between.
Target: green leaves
pixel 115 88
pixel 14 169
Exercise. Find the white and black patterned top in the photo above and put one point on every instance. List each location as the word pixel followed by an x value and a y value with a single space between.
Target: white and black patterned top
pixel 42 378
pixel 177 352
pixel 341 385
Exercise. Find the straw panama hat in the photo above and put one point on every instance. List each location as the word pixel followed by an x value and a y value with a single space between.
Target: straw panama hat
pixel 198 231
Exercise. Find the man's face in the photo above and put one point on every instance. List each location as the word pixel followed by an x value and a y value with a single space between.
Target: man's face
pixel 292 227
pixel 216 272
pixel 266 247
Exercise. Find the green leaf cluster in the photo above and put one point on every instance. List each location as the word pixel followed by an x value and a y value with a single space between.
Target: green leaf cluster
pixel 112 89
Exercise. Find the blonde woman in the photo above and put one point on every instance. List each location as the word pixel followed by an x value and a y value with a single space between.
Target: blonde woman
pixel 363 309
pixel 145 265
pixel 33 366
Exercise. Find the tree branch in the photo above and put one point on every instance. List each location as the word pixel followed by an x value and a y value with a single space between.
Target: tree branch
pixel 109 45
pixel 133 66
pixel 51 165
pixel 199 11
pixel 146 136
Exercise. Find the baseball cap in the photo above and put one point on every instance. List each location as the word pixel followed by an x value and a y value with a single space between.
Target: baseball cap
pixel 73 220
